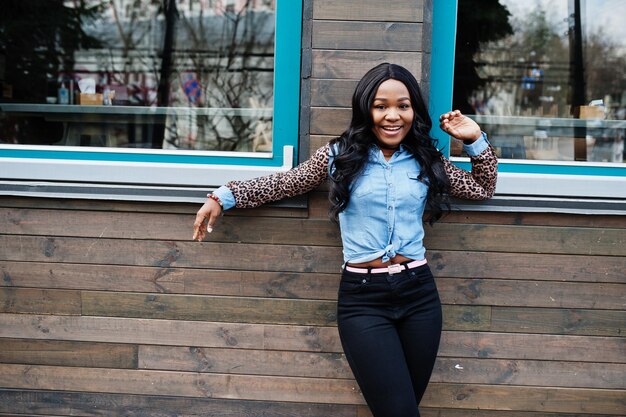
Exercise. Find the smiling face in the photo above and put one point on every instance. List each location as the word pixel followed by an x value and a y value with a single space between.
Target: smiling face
pixel 392 113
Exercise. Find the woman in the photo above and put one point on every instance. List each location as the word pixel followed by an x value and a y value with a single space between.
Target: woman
pixel 384 171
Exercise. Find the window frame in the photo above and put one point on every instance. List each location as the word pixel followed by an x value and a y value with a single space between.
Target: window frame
pixel 530 178
pixel 28 169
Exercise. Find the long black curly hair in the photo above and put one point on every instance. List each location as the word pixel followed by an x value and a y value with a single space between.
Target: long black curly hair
pixel 352 147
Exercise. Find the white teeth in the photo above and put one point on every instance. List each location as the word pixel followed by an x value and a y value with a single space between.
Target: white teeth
pixel 392 128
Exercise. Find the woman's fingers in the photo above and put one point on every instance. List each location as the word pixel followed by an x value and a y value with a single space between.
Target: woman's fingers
pixel 210 212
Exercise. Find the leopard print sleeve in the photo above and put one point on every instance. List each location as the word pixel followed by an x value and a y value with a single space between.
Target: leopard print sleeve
pixel 299 180
pixel 480 184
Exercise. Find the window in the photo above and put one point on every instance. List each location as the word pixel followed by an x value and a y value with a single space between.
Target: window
pixel 547 82
pixel 146 93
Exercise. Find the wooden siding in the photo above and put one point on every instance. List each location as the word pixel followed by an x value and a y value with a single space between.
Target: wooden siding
pixel 109 309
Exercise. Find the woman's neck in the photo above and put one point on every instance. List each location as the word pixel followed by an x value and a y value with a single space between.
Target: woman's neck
pixel 387 152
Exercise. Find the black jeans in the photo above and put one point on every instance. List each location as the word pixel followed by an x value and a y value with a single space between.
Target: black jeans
pixel 390 327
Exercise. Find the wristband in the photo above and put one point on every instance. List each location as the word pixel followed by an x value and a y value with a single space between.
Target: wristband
pixel 216 199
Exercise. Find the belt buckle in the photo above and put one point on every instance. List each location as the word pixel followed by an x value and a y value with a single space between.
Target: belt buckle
pixel 394 269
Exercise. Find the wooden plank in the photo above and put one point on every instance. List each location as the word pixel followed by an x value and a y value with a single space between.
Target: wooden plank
pixel 530 373
pixel 329 121
pixel 429 412
pixel 209 308
pixel 371 36
pixel 525 346
pixel 394 10
pixel 171 332
pixel 314 390
pixel 300 338
pixel 437 412
pixel 558 321
pixel 165 227
pixel 531 239
pixel 532 293
pixel 353 65
pixel 170 280
pixel 186 384
pixel 138 207
pixel 248 310
pixel 536 219
pixel 447 236
pixel 515 398
pixel 476 318
pixel 39 301
pixel 520 266
pixel 316 365
pixel 332 93
pixel 86 404
pixel 250 362
pixel 167 254
pixel 64 353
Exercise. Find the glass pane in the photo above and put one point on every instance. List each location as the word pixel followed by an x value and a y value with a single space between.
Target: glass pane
pixel 161 74
pixel 545 79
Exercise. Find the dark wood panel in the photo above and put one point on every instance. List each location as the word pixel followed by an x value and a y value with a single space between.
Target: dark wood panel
pixel 301 338
pixel 165 227
pixel 530 373
pixel 171 332
pixel 139 207
pixel 332 93
pixel 516 398
pixel 39 301
pixel 186 384
pixel 533 347
pixel 522 266
pixel 445 236
pixel 317 142
pixel 209 308
pixel 537 219
pixel 329 121
pixel 370 36
pixel 64 353
pixel 170 280
pixel 85 404
pixel 520 293
pixel 395 10
pixel 166 254
pixel 248 310
pixel 251 362
pixel 558 321
pixel 531 239
pixel 456 370
pixel 438 412
pixel 473 396
pixel 353 65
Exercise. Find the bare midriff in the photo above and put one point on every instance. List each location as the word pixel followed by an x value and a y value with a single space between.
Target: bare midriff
pixel 378 263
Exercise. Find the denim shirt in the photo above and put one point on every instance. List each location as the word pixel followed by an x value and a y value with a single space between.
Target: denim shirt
pixel 384 216
pixel 387 201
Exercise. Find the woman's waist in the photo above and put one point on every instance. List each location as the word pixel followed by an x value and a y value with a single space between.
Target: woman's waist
pixel 378 263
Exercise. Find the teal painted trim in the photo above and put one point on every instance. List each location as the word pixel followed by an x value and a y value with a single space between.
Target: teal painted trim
pixel 442 66
pixel 287 77
pixel 138 157
pixel 286 108
pixel 546 168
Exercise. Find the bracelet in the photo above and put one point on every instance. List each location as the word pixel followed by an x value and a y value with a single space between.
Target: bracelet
pixel 216 199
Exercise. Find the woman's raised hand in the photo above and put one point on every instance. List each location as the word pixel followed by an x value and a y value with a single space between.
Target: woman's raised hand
pixel 210 211
pixel 459 126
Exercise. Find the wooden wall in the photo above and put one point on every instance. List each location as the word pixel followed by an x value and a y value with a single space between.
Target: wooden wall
pixel 109 308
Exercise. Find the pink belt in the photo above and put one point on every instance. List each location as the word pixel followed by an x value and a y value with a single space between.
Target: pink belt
pixel 391 269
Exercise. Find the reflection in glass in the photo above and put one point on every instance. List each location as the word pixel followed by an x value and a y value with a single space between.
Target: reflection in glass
pixel 180 74
pixel 546 79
